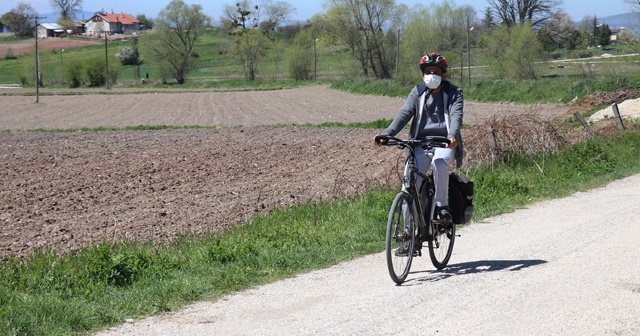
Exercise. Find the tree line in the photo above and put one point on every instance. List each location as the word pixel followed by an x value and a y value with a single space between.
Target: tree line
pixel 381 37
pixel 385 38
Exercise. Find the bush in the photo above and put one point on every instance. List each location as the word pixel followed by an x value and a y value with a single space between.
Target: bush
pixel 95 72
pixel 73 73
pixel 514 52
pixel 9 54
pixel 23 79
pixel 300 63
pixel 127 56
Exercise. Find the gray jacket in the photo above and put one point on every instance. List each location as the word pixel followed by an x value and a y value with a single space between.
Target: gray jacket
pixel 453 111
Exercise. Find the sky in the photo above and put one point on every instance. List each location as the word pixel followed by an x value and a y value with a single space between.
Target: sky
pixel 305 9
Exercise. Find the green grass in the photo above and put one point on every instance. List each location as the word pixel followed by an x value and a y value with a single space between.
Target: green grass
pixel 103 285
pixel 560 90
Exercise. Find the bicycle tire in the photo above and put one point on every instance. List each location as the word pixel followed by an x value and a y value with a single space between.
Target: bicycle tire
pixel 397 236
pixel 441 244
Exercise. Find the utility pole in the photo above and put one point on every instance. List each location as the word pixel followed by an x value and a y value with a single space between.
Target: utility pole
pixel 315 60
pixel 61 67
pixel 38 81
pixel 397 54
pixel 106 58
pixel 469 53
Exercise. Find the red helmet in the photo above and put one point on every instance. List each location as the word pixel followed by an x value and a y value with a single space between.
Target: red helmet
pixel 434 59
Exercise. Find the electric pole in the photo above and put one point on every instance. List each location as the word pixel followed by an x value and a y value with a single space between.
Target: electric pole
pixel 38 79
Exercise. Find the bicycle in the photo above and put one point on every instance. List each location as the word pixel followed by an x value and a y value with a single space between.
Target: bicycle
pixel 405 236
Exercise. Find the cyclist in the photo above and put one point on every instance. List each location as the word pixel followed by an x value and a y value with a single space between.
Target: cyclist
pixel 436 109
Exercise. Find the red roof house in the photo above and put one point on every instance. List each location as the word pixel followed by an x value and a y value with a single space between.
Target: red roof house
pixel 112 23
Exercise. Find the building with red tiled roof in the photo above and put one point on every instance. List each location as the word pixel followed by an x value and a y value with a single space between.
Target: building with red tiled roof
pixel 111 23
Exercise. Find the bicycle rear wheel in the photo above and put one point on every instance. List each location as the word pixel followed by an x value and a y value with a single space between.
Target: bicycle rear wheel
pixel 441 244
pixel 401 233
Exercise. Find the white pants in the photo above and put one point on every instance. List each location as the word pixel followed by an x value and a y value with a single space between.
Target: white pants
pixel 440 165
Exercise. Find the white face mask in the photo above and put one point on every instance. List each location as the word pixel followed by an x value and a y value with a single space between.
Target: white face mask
pixel 432 81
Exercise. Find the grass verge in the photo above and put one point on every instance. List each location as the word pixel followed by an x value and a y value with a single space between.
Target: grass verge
pixel 103 285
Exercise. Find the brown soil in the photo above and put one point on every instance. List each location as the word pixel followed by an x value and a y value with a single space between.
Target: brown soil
pixel 73 189
pixel 596 99
pixel 22 47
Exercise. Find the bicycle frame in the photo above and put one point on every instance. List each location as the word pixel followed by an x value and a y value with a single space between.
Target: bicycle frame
pixel 409 185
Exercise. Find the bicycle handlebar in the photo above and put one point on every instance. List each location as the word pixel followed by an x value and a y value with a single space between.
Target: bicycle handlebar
pixel 427 143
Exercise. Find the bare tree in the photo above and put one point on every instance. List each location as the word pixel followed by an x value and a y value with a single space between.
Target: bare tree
pixel 634 5
pixel 370 19
pixel 177 28
pixel 265 14
pixel 242 15
pixel 66 8
pixel 521 12
pixel 275 12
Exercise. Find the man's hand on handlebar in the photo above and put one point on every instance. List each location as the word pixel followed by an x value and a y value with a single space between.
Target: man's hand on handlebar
pixel 379 140
pixel 453 143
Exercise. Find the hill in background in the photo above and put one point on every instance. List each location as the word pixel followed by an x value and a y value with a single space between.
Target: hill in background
pixel 630 21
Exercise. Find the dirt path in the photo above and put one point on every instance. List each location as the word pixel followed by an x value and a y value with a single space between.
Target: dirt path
pixel 561 267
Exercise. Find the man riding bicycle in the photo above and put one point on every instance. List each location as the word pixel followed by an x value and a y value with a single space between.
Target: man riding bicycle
pixel 436 110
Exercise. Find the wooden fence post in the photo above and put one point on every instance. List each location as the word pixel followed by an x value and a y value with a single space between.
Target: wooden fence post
pixel 616 113
pixel 584 123
pixel 492 142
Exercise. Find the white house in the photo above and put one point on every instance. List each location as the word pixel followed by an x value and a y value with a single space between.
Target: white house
pixel 112 23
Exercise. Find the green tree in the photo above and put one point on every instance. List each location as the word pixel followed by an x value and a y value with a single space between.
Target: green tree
pixel 18 19
pixel 546 39
pixel 603 35
pixel 488 22
pixel 513 52
pixel 171 44
pixel 249 47
pixel 147 22
pixel 593 30
pixel 577 40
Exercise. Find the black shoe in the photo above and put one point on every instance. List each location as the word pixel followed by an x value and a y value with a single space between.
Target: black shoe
pixel 403 250
pixel 443 214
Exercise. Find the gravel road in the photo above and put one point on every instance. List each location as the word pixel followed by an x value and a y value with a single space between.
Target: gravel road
pixel 563 267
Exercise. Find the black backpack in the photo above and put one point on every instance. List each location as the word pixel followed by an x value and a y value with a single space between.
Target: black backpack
pixel 460 198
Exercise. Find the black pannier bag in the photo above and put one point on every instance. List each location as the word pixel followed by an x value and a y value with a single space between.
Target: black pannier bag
pixel 460 198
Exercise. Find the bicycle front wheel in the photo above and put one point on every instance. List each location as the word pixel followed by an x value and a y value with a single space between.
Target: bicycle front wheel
pixel 441 244
pixel 401 233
